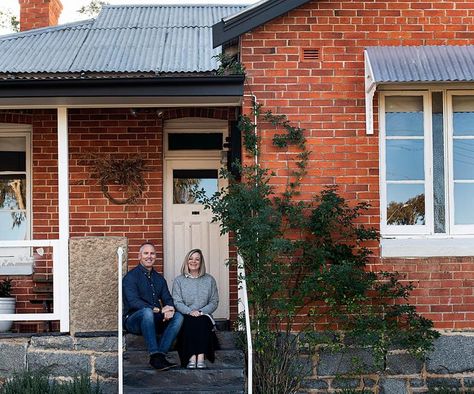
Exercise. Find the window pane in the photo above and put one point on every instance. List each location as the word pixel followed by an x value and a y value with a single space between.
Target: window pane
pixel 463 115
pixel 406 204
pixel 12 154
pixel 463 159
pixel 404 116
pixel 463 206
pixel 195 141
pixel 13 225
pixel 405 160
pixel 438 164
pixel 186 181
pixel 12 192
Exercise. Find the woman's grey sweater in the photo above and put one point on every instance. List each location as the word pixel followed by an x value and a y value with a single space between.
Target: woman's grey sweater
pixel 195 294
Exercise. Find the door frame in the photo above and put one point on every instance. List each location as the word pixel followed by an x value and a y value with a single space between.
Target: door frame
pixel 186 158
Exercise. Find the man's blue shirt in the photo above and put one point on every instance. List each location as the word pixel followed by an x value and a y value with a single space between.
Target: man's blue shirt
pixel 144 289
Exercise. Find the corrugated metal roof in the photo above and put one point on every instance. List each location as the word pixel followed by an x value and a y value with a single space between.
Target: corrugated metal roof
pixel 421 63
pixel 122 39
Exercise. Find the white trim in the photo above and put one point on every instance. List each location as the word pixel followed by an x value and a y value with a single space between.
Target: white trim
pixel 426 247
pixel 120 253
pixel 455 228
pixel 370 88
pixel 61 266
pixel 29 316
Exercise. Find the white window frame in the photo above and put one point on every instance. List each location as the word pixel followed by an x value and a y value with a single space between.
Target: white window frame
pixel 408 241
pixel 19 261
pixel 427 157
pixel 455 229
pixel 195 125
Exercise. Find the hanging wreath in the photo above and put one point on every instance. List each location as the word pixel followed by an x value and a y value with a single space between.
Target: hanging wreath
pixel 125 172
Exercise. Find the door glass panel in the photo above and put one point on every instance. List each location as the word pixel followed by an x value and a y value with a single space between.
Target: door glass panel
pixel 404 116
pixel 405 160
pixel 463 207
pixel 185 182
pixel 405 204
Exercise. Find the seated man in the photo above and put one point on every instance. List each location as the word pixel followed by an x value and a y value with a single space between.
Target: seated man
pixel 149 309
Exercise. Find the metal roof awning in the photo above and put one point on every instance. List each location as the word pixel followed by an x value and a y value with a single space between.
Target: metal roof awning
pixel 414 64
pixel 163 91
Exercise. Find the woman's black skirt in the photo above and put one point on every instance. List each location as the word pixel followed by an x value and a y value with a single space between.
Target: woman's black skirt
pixel 196 336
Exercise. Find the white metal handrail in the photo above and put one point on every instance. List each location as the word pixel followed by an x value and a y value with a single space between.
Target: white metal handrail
pixel 120 252
pixel 248 330
pixel 60 289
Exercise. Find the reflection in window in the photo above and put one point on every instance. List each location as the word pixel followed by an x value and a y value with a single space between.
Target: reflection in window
pixel 13 198
pixel 405 160
pixel 406 204
pixel 185 182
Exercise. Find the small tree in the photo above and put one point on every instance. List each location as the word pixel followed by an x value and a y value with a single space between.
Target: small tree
pixel 9 21
pixel 92 8
pixel 306 267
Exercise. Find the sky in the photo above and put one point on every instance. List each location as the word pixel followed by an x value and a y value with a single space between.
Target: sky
pixel 70 13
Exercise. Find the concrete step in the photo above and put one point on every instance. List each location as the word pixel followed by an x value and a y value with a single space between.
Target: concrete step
pixel 182 380
pixel 139 359
pixel 226 390
pixel 228 340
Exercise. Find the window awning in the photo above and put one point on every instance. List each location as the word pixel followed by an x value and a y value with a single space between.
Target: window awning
pixel 414 64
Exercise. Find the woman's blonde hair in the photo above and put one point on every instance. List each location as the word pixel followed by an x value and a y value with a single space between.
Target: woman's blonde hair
pixel 185 267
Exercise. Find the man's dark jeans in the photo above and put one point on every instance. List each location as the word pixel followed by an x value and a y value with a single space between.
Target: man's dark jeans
pixel 145 322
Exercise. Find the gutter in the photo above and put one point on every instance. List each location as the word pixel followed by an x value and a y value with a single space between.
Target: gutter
pixel 175 86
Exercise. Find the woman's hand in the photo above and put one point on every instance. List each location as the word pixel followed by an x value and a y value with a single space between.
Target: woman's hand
pixel 195 313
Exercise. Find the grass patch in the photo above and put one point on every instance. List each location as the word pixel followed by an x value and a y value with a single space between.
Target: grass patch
pixel 39 382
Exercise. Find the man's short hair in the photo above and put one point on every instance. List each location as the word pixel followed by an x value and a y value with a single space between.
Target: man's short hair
pixel 140 250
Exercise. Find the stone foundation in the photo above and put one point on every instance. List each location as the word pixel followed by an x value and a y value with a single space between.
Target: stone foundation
pixel 64 356
pixel 449 366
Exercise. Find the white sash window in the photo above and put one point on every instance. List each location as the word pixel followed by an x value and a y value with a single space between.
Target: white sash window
pixel 427 163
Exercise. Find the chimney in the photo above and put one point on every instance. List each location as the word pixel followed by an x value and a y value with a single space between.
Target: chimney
pixel 39 13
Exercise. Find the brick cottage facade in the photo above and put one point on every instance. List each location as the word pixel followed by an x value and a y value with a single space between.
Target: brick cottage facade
pixel 384 90
pixel 308 63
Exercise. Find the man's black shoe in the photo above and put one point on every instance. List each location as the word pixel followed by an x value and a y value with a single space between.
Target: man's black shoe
pixel 159 362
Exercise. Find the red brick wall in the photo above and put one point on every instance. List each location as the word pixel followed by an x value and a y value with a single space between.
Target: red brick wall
pixel 326 97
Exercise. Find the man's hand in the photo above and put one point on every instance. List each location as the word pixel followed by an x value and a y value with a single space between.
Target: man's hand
pixel 168 312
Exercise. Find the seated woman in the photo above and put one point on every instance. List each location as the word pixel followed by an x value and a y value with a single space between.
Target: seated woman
pixel 195 296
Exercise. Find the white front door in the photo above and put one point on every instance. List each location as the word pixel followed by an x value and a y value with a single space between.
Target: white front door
pixel 188 225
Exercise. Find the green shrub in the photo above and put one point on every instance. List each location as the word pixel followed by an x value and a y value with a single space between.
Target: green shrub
pixel 5 288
